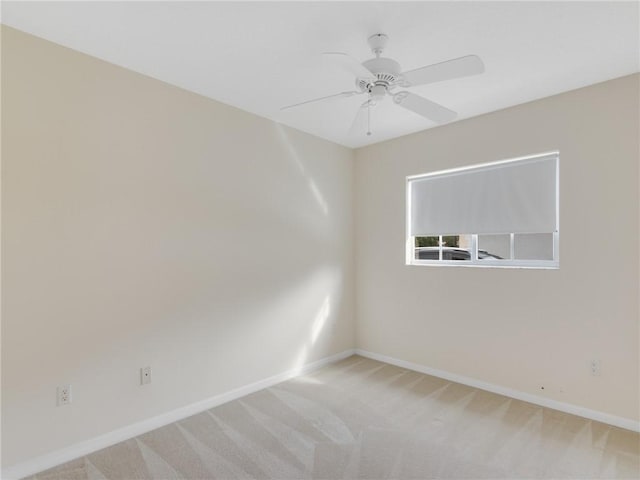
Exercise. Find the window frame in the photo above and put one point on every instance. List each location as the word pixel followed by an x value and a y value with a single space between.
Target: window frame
pixel 474 261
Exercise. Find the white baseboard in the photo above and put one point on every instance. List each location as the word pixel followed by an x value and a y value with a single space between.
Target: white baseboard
pixel 607 418
pixel 52 459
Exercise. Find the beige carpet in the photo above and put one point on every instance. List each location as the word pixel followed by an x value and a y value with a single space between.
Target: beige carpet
pixel 364 419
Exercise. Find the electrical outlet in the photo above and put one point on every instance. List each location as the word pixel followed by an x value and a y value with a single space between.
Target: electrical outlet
pixel 145 375
pixel 64 395
pixel 595 367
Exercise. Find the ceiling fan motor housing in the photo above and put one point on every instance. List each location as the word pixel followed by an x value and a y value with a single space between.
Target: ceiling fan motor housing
pixel 382 65
pixel 387 72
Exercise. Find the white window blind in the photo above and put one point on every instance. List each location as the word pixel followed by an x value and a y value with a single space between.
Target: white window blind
pixel 514 196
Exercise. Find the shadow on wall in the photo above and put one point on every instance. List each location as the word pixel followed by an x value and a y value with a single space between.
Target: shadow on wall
pixel 295 158
pixel 326 282
pixel 329 281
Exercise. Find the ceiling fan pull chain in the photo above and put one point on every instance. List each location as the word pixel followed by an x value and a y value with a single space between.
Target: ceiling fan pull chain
pixel 369 118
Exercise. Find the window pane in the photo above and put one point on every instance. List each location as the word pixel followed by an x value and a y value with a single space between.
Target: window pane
pixel 461 241
pixel 433 241
pixel 456 254
pixel 492 246
pixel 533 246
pixel 427 248
pixel 454 247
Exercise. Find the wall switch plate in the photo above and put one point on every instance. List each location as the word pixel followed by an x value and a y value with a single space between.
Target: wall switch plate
pixel 595 367
pixel 145 375
pixel 64 395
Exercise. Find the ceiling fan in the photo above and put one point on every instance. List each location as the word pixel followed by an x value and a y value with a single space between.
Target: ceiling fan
pixel 380 77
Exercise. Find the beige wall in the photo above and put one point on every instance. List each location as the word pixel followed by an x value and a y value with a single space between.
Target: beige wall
pixel 145 225
pixel 516 328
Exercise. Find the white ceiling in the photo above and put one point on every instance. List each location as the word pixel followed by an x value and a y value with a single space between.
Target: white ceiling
pixel 260 56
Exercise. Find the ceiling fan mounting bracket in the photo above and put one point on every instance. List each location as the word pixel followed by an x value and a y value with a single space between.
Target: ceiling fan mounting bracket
pixel 378 42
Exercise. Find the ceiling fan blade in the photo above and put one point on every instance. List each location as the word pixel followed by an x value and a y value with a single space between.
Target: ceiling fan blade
pixel 424 107
pixel 459 67
pixel 360 124
pixel 349 64
pixel 337 95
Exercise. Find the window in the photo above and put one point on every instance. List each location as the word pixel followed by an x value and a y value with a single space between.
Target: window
pixel 501 214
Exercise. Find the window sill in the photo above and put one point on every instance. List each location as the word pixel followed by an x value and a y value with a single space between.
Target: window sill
pixel 526 264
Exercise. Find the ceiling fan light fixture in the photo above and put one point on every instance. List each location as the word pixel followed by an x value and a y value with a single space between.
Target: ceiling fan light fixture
pixel 377 92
